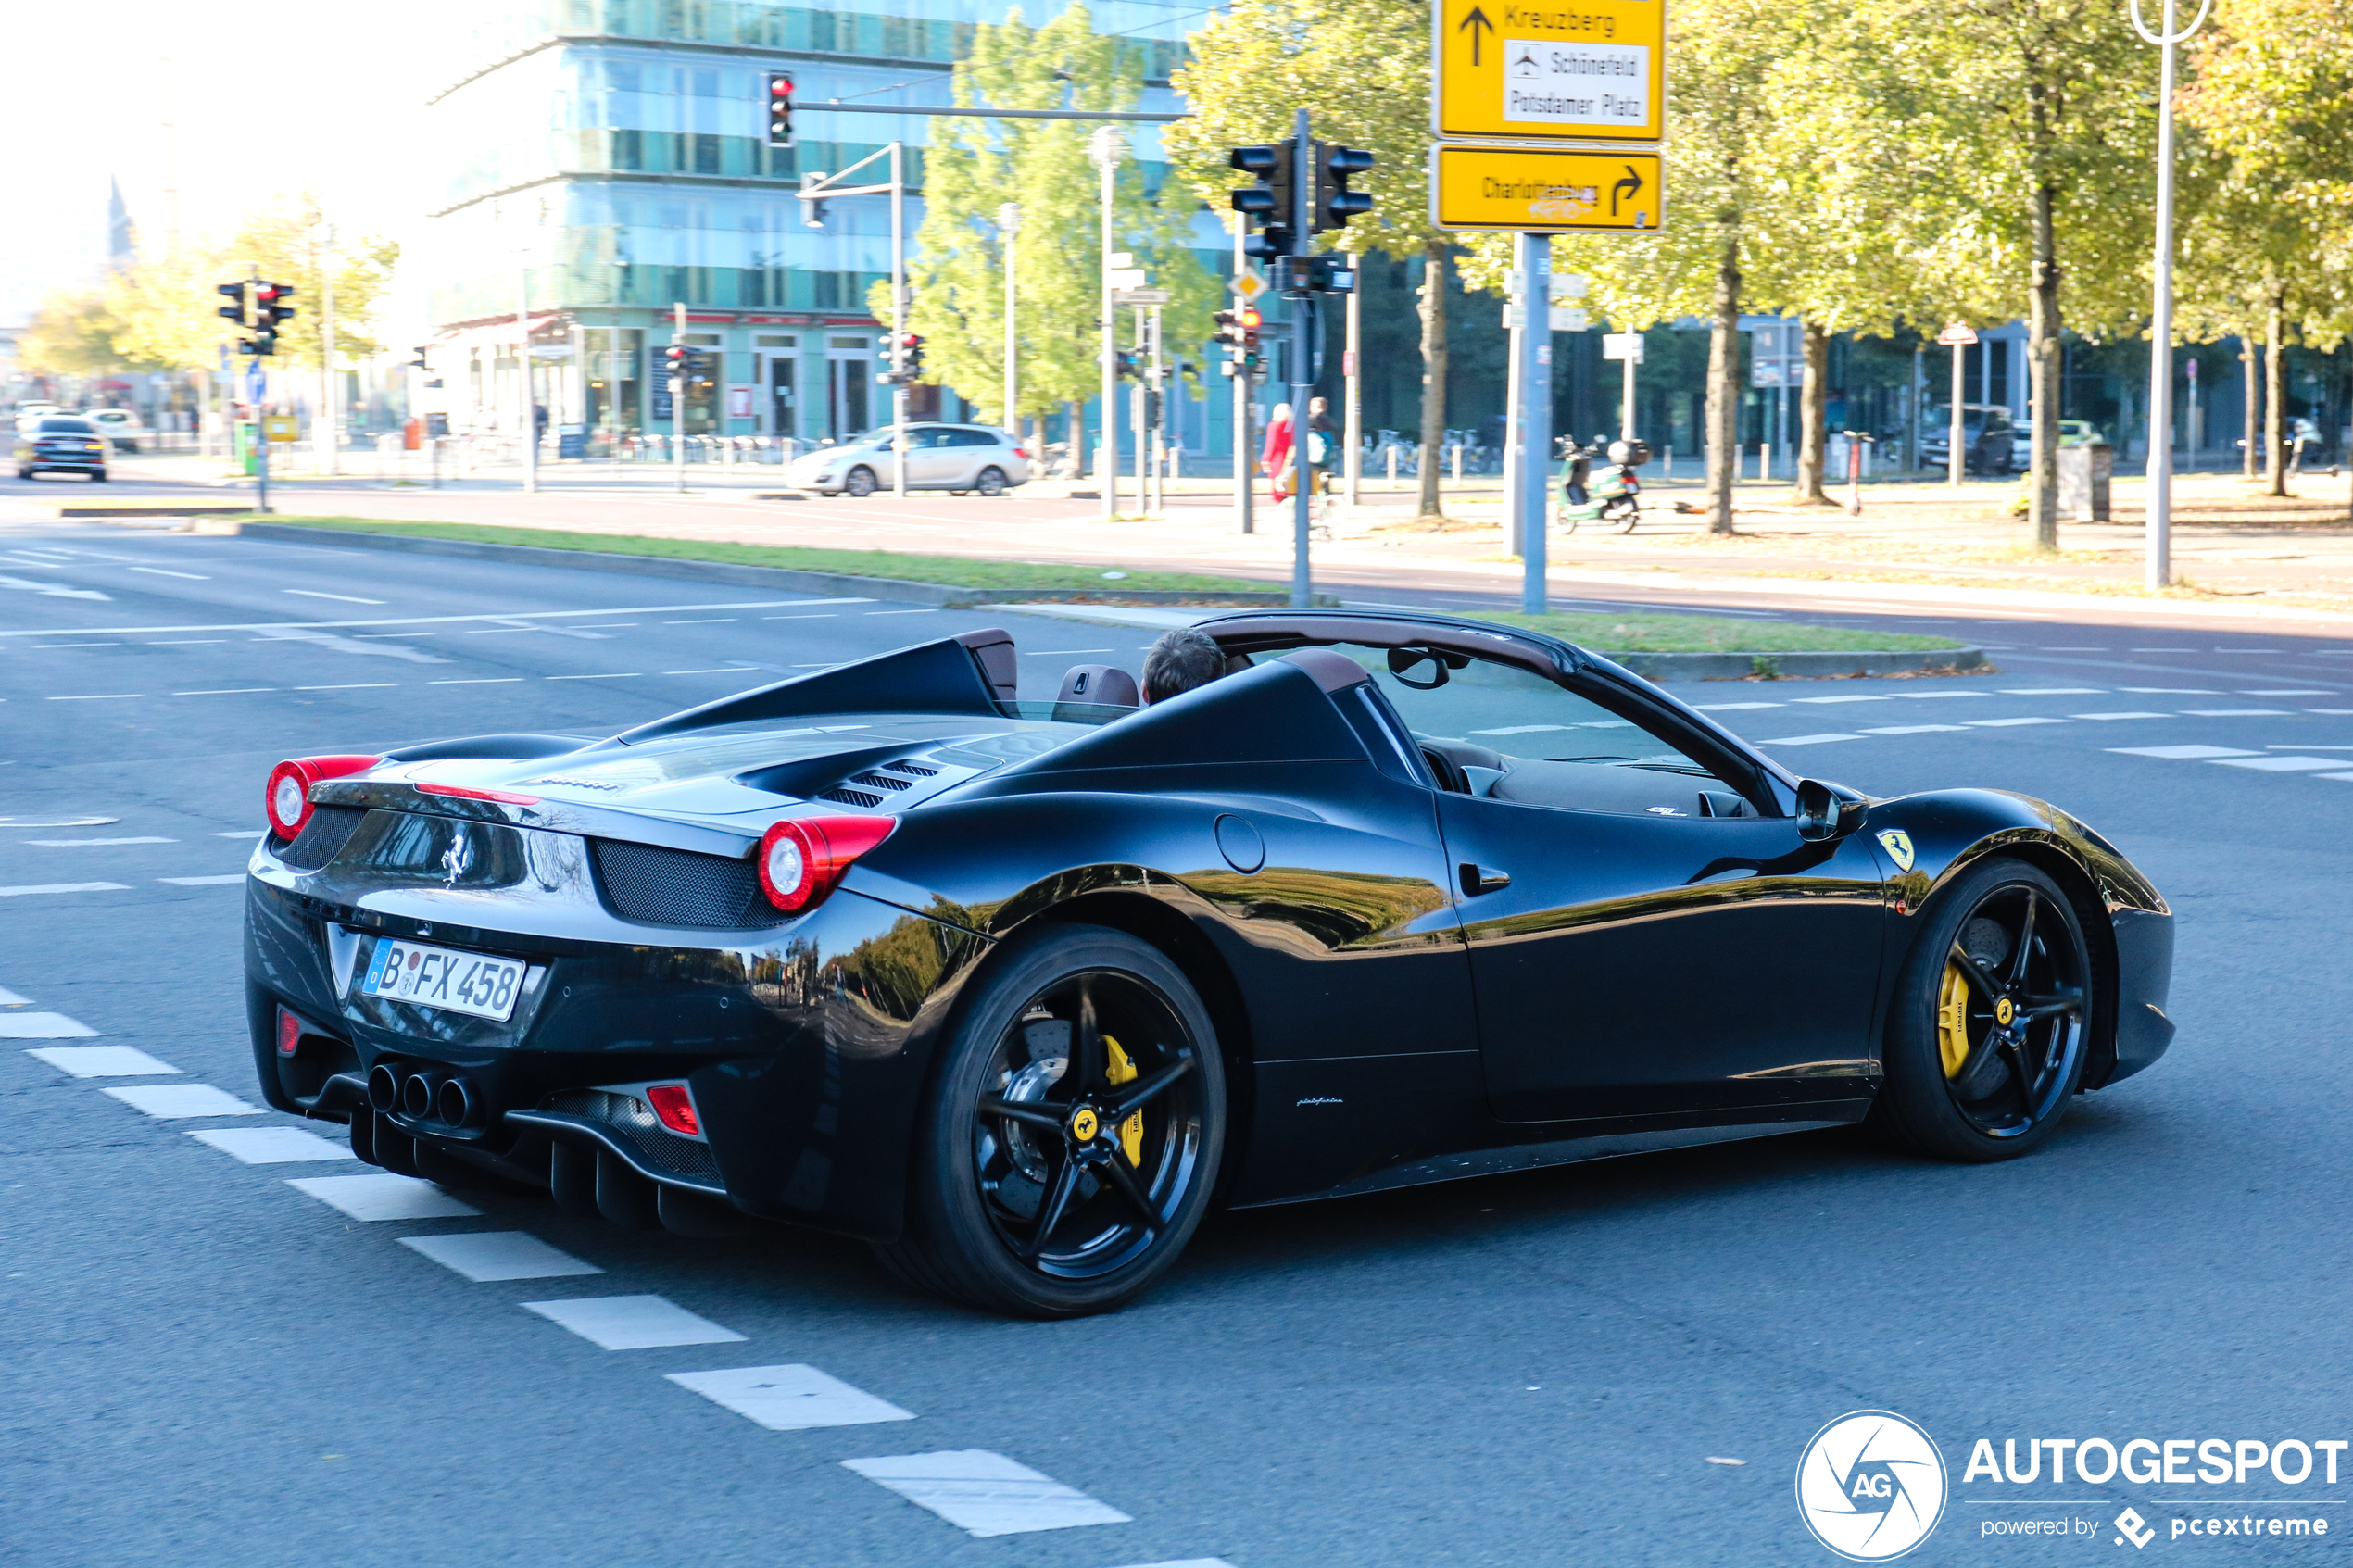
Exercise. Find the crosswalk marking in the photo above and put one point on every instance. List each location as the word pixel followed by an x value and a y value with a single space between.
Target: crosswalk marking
pixel 42 1026
pixel 169 1102
pixel 789 1398
pixel 387 1196
pixel 986 1494
pixel 483 1256
pixel 273 1146
pixel 632 1323
pixel 104 1061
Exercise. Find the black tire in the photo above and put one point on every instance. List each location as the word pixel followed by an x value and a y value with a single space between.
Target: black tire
pixel 1982 1069
pixel 1119 1197
pixel 991 482
pixel 859 483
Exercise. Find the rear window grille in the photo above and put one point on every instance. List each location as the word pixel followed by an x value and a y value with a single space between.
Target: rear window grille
pixel 633 1121
pixel 882 780
pixel 844 795
pixel 652 886
pixel 328 830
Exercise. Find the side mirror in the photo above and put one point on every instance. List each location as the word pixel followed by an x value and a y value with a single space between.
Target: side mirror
pixel 1828 810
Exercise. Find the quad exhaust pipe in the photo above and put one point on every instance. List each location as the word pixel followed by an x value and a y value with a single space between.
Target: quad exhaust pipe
pixel 424 1096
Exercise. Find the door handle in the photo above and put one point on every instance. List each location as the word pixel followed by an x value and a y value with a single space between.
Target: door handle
pixel 1481 879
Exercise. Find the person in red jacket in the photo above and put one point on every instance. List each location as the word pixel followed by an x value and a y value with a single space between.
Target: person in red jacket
pixel 1276 459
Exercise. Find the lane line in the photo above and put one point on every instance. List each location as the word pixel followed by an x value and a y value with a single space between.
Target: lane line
pixel 172 1102
pixel 105 1061
pixel 2280 764
pixel 83 843
pixel 347 598
pixel 433 620
pixel 382 1197
pixel 1806 740
pixel 789 1398
pixel 487 1256
pixel 159 571
pixel 2235 712
pixel 722 670
pixel 986 1494
pixel 2006 723
pixel 619 675
pixel 349 687
pixel 203 881
pixel 97 696
pixel 242 832
pixel 273 1146
pixel 2127 715
pixel 227 691
pixel 41 645
pixel 31 888
pixel 2180 753
pixel 1914 729
pixel 632 1323
pixel 484 680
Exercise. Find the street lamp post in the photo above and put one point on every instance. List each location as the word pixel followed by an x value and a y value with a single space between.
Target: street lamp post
pixel 2157 570
pixel 1105 148
pixel 1008 226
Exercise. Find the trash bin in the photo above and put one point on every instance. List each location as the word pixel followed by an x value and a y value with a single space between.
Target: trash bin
pixel 2083 475
pixel 245 445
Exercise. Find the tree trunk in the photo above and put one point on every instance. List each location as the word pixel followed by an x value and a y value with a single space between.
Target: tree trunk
pixel 1724 388
pixel 2252 439
pixel 2042 367
pixel 2275 393
pixel 1813 417
pixel 1433 313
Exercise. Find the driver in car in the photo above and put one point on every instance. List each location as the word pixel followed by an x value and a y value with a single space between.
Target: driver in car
pixel 1179 662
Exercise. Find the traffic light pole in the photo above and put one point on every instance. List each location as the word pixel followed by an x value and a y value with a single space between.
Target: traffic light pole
pixel 678 396
pixel 1239 363
pixel 1302 369
pixel 260 416
pixel 899 328
pixel 1532 427
pixel 1105 150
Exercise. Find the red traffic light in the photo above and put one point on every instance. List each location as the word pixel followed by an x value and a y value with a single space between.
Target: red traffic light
pixel 1251 319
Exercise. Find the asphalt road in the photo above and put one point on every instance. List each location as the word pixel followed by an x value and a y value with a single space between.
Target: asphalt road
pixel 208 1365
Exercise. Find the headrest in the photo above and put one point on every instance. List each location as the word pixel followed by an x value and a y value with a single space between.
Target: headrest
pixel 1099 683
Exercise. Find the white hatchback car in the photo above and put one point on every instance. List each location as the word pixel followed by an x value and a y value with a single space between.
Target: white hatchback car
pixel 119 426
pixel 957 459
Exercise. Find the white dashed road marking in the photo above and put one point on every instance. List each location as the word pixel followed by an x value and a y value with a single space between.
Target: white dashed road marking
pixel 173 1101
pixel 1856 697
pixel 789 1398
pixel 986 1494
pixel 2120 715
pixel 344 599
pixel 2280 764
pixel 10 999
pixel 483 1256
pixel 2234 712
pixel 2005 724
pixel 273 1146
pixel 633 1322
pixel 203 881
pixel 42 1026
pixel 89 843
pixel 1806 740
pixel 103 1061
pixel 383 1197
pixel 2179 753
pixel 1915 729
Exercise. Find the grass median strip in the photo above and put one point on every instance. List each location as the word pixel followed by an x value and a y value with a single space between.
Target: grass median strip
pixel 1716 634
pixel 951 571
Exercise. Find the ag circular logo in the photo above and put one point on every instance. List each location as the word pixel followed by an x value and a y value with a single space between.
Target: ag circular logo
pixel 1871 1486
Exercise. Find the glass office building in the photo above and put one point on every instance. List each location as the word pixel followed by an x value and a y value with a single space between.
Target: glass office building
pixel 606 161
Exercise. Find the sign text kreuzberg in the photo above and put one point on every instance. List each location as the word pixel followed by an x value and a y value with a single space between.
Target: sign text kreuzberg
pixel 1554 70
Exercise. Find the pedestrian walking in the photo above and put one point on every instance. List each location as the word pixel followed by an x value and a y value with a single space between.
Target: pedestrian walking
pixel 1276 458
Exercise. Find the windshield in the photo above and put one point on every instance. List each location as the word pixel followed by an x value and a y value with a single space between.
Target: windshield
pixel 67 427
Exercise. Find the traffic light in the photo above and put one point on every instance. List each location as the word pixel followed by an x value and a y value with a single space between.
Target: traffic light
pixel 1125 359
pixel 904 351
pixel 912 344
pixel 235 312
pixel 779 109
pixel 1335 203
pixel 680 360
pixel 270 307
pixel 1268 203
pixel 1251 322
pixel 813 208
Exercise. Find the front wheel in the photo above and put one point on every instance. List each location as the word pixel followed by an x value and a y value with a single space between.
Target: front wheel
pixel 1993 1018
pixel 1072 1135
pixel 861 482
pixel 992 481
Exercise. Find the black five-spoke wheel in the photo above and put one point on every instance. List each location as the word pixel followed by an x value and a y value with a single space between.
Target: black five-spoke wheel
pixel 1993 1018
pixel 1074 1134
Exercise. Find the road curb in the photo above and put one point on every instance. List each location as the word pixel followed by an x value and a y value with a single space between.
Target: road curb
pixel 1797 666
pixel 945 597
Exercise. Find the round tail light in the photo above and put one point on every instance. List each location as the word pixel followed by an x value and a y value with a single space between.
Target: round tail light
pixel 285 800
pixel 802 859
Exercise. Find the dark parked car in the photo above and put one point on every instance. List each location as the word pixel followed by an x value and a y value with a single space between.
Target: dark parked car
pixel 61 444
pixel 1016 990
pixel 1987 438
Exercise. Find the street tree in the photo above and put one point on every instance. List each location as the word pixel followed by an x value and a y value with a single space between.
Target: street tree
pixel 1361 68
pixel 975 167
pixel 2265 252
pixel 166 312
pixel 73 332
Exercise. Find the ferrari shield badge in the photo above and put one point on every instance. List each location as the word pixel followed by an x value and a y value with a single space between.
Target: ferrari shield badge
pixel 1898 845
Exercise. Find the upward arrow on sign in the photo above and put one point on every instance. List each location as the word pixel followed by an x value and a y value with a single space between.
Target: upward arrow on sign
pixel 1471 24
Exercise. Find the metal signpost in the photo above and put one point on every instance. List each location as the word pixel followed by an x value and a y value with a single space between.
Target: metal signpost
pixel 1957 337
pixel 678 396
pixel 815 187
pixel 1508 89
pixel 2158 567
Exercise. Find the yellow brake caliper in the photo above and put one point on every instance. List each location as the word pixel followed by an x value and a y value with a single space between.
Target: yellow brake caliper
pixel 1131 1131
pixel 1952 1020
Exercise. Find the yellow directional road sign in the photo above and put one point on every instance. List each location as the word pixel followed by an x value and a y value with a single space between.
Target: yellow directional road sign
pixel 1554 70
pixel 1539 191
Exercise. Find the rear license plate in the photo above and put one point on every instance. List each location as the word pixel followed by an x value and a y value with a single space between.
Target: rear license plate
pixel 442 977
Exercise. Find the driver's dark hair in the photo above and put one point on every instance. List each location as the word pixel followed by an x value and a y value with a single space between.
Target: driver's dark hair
pixel 1179 662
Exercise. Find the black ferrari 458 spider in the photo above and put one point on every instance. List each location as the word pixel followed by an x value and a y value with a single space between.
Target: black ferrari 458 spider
pixel 1016 990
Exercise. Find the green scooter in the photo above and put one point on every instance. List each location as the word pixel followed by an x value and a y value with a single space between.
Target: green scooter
pixel 1611 503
